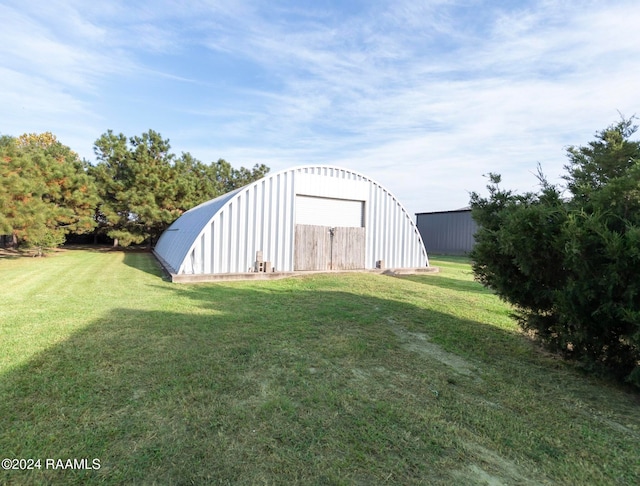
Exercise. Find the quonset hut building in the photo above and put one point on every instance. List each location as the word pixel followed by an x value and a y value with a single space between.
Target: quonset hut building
pixel 303 218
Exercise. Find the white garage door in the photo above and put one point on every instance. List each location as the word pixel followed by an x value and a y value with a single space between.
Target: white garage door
pixel 322 211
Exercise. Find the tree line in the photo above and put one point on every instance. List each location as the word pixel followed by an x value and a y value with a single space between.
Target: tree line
pixel 568 258
pixel 134 191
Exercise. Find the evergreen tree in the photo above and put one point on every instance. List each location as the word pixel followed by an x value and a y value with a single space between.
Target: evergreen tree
pixel 144 187
pixel 571 266
pixel 46 192
pixel 135 183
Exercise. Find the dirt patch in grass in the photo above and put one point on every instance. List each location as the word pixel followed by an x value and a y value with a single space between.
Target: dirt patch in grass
pixel 491 469
pixel 420 343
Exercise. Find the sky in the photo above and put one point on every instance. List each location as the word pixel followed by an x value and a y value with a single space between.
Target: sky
pixel 424 97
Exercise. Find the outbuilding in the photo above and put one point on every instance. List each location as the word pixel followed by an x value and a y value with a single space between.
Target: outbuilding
pixel 300 219
pixel 447 232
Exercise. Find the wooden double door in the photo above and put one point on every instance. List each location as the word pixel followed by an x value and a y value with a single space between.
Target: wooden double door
pixel 329 248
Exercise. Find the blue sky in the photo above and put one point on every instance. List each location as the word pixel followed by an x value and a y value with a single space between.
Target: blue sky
pixel 423 96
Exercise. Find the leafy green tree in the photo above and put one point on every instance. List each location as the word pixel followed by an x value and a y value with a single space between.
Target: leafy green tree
pixel 144 187
pixel 571 265
pixel 191 184
pixel 224 178
pixel 197 182
pixel 135 181
pixel 45 191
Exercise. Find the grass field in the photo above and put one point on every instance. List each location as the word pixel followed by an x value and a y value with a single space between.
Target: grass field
pixel 323 379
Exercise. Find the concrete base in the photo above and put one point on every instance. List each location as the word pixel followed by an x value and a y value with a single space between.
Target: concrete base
pixel 225 277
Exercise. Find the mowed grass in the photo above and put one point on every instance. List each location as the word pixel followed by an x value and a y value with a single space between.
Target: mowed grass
pixel 320 379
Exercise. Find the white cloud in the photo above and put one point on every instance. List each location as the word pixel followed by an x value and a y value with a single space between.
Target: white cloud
pixel 423 96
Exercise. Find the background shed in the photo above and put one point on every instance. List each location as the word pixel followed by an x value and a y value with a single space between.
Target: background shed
pixel 447 232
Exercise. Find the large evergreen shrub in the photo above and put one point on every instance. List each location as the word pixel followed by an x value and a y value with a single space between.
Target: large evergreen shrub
pixel 570 263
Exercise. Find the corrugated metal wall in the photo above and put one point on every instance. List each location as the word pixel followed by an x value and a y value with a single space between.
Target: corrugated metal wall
pixel 329 212
pixel 447 232
pixel 261 216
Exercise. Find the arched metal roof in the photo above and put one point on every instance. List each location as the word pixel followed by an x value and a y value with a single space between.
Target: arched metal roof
pixel 175 242
pixel 222 235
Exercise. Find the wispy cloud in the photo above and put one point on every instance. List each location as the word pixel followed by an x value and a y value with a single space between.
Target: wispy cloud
pixel 425 96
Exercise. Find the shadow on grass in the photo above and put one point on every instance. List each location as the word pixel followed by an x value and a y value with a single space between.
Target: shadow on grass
pixel 99 248
pixel 448 283
pixel 15 254
pixel 458 259
pixel 274 385
pixel 144 261
pixel 138 257
pixel 9 256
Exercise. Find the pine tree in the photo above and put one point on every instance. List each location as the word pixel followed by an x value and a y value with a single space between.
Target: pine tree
pixel 46 192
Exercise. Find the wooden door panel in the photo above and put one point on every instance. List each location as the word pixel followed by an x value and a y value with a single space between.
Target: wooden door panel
pixel 325 248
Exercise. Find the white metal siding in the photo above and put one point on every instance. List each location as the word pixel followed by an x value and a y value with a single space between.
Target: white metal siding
pixel 322 211
pixel 223 235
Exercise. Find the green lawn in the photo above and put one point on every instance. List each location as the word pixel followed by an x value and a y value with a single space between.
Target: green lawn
pixel 322 379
